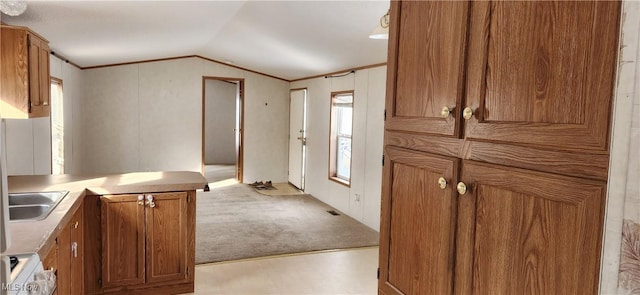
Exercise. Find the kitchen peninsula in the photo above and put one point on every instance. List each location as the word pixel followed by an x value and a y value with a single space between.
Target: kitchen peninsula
pixel 125 233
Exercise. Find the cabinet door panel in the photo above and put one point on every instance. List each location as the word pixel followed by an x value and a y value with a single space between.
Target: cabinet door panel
pixel 542 72
pixel 167 237
pixel 123 232
pixel 523 232
pixel 14 72
pixel 426 65
pixel 76 274
pixel 418 224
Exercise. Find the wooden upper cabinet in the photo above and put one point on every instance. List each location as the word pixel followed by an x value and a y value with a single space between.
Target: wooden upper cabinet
pixel 527 232
pixel 39 79
pixel 418 223
pixel 425 71
pixel 542 72
pixel 24 75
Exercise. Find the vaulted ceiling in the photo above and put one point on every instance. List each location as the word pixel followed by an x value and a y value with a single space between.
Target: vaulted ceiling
pixel 286 39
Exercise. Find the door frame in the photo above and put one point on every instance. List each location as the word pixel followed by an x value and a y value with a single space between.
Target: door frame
pixel 304 136
pixel 240 155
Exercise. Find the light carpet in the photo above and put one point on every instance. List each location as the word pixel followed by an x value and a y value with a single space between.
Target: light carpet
pixel 235 222
pixel 280 189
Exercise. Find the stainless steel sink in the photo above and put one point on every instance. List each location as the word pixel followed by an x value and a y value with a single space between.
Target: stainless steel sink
pixel 30 212
pixel 33 206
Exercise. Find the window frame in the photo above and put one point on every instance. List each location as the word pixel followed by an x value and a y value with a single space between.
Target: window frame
pixel 333 138
pixel 53 126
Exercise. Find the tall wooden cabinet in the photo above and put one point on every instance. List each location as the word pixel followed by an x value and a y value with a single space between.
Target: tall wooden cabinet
pixel 24 75
pixel 496 146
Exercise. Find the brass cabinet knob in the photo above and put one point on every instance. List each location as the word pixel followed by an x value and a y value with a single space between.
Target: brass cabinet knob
pixel 462 188
pixel 442 182
pixel 467 113
pixel 446 112
pixel 141 200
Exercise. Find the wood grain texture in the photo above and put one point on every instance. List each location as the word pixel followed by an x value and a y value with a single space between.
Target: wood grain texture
pixel 418 226
pixel 167 235
pixel 534 233
pixel 76 261
pixel 43 108
pixel 542 73
pixel 168 244
pixel 426 65
pixel 593 165
pixel 14 56
pixel 64 260
pixel 123 240
pixel 184 288
pixel 25 91
pixel 440 145
pixel 586 165
pixel 92 245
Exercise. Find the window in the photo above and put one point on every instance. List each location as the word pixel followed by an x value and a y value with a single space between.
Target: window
pixel 340 138
pixel 57 128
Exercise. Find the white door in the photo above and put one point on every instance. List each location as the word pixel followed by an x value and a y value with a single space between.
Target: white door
pixel 297 137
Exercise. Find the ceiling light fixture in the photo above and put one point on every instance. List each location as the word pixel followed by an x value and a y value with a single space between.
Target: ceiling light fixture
pixel 382 29
pixel 13 8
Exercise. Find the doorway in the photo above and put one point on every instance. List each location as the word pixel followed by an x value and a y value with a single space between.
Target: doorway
pixel 297 136
pixel 222 129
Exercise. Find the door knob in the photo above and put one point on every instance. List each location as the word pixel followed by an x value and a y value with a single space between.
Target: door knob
pixel 300 138
pixel 446 112
pixel 467 113
pixel 442 182
pixel 462 188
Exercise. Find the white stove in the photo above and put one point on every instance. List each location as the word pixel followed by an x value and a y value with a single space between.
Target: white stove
pixel 29 277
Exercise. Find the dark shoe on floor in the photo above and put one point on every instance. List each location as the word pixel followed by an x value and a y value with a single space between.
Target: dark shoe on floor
pixel 257 183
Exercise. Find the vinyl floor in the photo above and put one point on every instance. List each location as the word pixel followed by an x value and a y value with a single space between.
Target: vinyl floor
pixel 350 271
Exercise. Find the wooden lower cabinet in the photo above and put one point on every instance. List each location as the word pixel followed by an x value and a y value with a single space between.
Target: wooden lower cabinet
pixel 513 231
pixel 67 256
pixel 144 243
pixel 418 226
pixel 526 232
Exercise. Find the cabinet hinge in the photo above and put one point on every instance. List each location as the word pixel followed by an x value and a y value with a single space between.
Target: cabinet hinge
pixel 98 203
pixel 378 273
pixel 187 270
pixel 188 198
pixel 100 282
pixel 385 114
pixel 382 160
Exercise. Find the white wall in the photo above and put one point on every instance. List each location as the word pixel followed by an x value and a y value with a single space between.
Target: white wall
pixel 28 146
pixel 362 199
pixel 220 122
pixel 28 141
pixel 148 117
pixel 72 92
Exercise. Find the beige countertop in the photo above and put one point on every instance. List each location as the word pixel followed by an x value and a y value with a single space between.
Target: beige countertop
pixel 38 236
